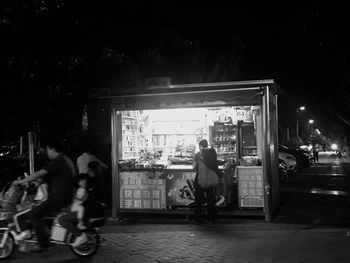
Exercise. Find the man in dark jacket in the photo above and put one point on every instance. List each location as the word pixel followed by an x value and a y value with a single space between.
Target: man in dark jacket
pixel 59 174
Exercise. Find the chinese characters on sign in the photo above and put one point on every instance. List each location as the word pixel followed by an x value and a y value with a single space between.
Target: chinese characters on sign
pixel 138 192
pixel 250 186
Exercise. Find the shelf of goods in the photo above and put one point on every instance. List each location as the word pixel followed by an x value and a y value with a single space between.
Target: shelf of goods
pixel 129 129
pixel 224 138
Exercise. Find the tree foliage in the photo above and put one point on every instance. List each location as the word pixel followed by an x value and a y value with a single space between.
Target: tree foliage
pixel 56 53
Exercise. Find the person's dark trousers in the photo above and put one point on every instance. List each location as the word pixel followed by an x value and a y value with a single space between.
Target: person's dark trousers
pixel 69 222
pixel 22 218
pixel 36 216
pixel 200 199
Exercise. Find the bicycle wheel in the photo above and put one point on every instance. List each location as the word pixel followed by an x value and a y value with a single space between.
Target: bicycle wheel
pixel 9 245
pixel 90 247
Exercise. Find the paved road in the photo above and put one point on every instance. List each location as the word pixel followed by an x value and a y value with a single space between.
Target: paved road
pixel 318 195
pixel 309 227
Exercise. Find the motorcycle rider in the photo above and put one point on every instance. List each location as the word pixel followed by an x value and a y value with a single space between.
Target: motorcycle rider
pixel 59 174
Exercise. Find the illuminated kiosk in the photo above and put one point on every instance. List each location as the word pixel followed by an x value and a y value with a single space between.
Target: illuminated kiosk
pixel 155 133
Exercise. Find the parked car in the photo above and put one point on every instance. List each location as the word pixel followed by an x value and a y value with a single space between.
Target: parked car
pixel 304 158
pixel 289 159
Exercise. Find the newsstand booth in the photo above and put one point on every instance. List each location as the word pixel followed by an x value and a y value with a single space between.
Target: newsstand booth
pixel 155 134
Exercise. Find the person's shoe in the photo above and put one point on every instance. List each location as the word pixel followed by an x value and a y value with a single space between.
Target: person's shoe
pixel 80 240
pixel 23 248
pixel 36 248
pixel 23 235
pixel 220 200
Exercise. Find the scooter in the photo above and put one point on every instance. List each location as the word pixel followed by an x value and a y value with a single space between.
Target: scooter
pixel 10 229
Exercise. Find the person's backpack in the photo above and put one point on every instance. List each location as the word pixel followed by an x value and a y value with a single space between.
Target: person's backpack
pixel 207 166
pixel 210 158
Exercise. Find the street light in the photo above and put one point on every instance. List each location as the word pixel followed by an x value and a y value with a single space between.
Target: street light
pixel 301 108
pixel 311 121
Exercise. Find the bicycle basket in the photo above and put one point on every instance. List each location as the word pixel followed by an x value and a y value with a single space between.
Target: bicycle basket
pixel 10 196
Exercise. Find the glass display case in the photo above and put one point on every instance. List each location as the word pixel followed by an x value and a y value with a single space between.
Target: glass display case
pixel 224 139
pixel 169 138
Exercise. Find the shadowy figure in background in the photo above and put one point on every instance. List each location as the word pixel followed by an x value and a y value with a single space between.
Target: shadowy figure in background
pixel 96 177
pixel 86 158
pixel 339 154
pixel 315 154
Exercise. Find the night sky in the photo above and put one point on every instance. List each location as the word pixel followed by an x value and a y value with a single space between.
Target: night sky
pixel 56 55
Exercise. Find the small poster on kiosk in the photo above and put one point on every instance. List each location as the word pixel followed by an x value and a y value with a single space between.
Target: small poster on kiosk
pixel 137 191
pixel 250 186
pixel 180 187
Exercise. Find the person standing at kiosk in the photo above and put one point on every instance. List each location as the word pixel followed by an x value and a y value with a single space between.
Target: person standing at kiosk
pixel 209 158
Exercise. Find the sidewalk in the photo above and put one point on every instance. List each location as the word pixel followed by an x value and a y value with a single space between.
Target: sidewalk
pixel 240 241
